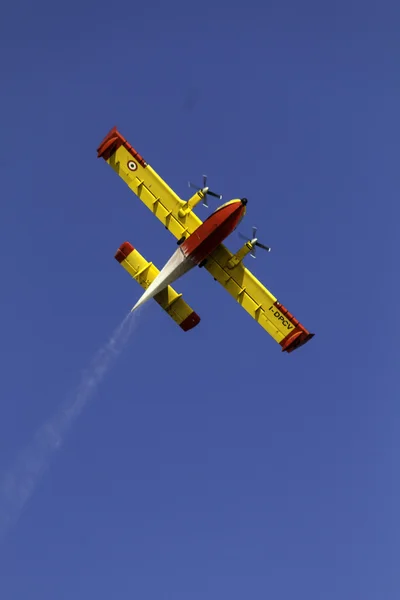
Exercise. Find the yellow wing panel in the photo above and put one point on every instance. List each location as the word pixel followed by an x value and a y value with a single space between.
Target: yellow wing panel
pixel 144 273
pixel 152 190
pixel 250 293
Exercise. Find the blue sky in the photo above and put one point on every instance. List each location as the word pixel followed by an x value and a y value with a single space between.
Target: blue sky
pixel 208 464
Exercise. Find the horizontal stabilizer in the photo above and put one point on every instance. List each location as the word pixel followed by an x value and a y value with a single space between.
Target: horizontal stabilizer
pixel 144 273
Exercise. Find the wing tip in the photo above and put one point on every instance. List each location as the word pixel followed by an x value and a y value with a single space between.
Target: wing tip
pixel 108 145
pixel 114 140
pixel 296 340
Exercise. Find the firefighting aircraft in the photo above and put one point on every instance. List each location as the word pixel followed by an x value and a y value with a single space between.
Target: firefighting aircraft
pixel 199 243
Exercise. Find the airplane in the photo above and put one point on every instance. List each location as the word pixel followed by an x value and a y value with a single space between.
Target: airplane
pixel 199 244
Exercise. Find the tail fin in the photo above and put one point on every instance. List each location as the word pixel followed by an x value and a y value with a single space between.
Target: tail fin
pixel 144 273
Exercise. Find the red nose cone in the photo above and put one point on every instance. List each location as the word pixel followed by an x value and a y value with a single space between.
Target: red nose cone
pixel 231 213
pixel 213 231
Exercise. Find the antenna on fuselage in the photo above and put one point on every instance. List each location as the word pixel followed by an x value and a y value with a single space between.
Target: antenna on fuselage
pixel 254 242
pixel 205 191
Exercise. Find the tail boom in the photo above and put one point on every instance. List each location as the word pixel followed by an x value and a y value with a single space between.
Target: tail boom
pixel 145 273
pixel 175 267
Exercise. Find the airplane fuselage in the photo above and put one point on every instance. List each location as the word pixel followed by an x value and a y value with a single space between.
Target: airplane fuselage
pixel 210 234
pixel 197 247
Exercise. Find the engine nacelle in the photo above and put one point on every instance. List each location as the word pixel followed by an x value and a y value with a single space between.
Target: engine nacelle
pixel 239 256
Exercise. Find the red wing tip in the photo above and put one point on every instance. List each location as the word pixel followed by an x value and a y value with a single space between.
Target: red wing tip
pixel 114 140
pixel 103 151
pixel 296 340
pixel 191 321
pixel 123 252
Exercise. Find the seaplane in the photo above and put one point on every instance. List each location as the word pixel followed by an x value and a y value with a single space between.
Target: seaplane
pixel 199 244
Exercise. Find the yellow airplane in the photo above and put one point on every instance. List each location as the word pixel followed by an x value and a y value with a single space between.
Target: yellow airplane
pixel 199 243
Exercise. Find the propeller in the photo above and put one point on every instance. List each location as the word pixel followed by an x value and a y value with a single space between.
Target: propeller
pixel 206 191
pixel 254 242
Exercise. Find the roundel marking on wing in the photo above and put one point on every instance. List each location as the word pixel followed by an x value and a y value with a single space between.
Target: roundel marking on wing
pixel 132 166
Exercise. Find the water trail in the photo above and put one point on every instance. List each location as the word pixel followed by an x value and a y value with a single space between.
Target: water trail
pixel 20 481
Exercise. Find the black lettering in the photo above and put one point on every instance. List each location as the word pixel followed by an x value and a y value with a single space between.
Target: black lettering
pixel 280 317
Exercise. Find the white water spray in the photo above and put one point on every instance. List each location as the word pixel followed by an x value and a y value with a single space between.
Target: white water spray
pixel 20 481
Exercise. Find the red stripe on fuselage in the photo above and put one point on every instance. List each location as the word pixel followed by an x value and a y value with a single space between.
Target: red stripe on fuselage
pixel 213 231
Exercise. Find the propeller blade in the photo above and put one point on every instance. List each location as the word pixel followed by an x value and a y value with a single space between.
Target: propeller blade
pixel 260 245
pixel 205 190
pixel 215 195
pixel 191 185
pixel 254 241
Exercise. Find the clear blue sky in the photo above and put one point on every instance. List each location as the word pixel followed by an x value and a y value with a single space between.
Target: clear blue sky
pixel 209 464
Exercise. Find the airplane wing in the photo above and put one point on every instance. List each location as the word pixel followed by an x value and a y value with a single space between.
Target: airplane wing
pixel 178 217
pixel 250 293
pixel 144 273
pixel 173 212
